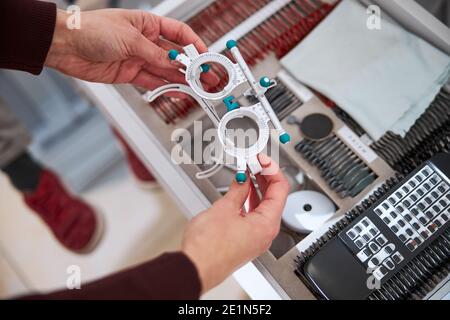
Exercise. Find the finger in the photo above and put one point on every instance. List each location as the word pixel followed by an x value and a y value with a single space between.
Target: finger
pixel 152 53
pixel 181 34
pixel 169 45
pixel 128 70
pixel 262 183
pixel 179 97
pixel 148 81
pixel 236 195
pixel 266 163
pixel 253 198
pixel 172 76
pixel 274 198
pixel 210 78
pixel 151 82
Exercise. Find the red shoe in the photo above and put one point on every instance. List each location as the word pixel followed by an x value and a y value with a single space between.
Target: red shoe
pixel 72 221
pixel 141 173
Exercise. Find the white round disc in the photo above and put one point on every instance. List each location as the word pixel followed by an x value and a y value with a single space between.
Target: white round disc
pixel 305 211
pixel 193 72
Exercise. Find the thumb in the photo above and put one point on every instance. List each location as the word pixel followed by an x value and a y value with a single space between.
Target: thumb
pixel 237 195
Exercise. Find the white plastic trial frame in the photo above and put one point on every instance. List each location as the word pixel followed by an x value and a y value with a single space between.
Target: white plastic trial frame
pixel 253 277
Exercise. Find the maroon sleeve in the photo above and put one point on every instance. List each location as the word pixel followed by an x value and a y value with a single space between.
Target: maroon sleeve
pixel 171 276
pixel 26 33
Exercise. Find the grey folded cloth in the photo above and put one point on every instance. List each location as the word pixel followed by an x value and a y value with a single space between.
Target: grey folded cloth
pixel 385 79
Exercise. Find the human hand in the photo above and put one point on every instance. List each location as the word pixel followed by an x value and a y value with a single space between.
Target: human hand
pixel 122 46
pixel 223 238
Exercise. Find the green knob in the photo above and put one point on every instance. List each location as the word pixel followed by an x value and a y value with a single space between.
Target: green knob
pixel 265 82
pixel 205 67
pixel 231 44
pixel 285 138
pixel 173 54
pixel 241 177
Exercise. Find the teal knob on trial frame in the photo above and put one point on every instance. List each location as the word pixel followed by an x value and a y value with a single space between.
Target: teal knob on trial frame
pixel 265 82
pixel 285 138
pixel 230 104
pixel 205 67
pixel 241 177
pixel 173 54
pixel 231 44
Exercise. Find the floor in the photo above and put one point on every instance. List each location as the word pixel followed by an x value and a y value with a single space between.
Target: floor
pixel 140 224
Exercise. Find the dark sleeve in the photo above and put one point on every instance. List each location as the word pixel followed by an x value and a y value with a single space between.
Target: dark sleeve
pixel 26 33
pixel 171 276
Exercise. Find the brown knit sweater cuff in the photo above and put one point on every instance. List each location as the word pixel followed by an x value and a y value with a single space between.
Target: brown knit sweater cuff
pixel 26 33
